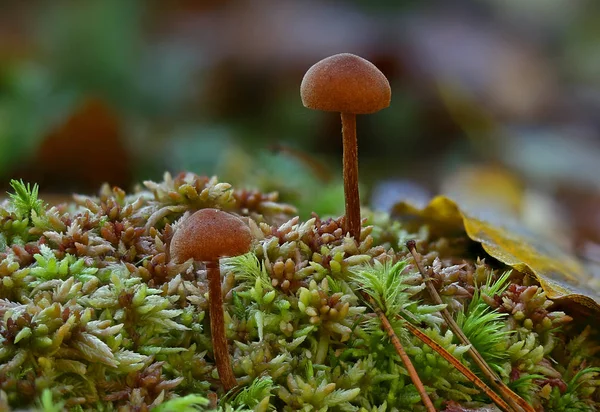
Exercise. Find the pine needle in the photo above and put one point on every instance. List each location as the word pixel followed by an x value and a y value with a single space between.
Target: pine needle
pixel 516 402
pixel 382 287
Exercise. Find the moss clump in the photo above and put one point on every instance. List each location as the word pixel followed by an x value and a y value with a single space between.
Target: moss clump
pixel 94 315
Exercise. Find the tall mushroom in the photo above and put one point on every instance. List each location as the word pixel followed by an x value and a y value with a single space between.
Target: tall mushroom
pixel 351 85
pixel 206 236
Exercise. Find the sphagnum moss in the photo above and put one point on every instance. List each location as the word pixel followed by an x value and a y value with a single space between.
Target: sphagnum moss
pixel 95 315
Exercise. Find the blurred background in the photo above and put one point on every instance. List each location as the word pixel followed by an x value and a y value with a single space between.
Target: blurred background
pixel 495 103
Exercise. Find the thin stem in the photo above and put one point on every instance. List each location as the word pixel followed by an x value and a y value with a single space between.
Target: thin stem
pixel 456 363
pixel 414 376
pixel 320 169
pixel 217 326
pixel 512 398
pixel 350 159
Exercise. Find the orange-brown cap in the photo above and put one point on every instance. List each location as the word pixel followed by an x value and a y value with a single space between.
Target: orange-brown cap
pixel 210 234
pixel 345 83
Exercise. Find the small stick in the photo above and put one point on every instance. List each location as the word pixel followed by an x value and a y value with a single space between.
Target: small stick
pixel 320 170
pixel 414 376
pixel 518 403
pixel 456 363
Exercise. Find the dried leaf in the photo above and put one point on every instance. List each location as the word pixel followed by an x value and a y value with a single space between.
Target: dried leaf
pixel 561 276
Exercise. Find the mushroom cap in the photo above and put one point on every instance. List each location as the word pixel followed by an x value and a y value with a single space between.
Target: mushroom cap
pixel 345 83
pixel 210 234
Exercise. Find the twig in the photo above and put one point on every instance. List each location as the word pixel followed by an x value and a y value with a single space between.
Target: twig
pixel 458 365
pixel 517 403
pixel 319 168
pixel 414 376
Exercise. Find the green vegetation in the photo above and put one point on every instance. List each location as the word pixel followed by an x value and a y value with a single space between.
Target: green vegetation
pixel 94 315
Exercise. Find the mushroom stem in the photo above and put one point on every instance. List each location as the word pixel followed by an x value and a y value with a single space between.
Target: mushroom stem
pixel 217 326
pixel 352 219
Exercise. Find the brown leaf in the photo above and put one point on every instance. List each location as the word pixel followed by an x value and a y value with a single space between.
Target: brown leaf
pixel 83 152
pixel 561 275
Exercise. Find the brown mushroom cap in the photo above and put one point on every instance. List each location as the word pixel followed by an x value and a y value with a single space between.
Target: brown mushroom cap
pixel 345 83
pixel 210 234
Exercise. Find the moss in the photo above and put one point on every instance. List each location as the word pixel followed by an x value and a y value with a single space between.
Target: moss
pixel 95 316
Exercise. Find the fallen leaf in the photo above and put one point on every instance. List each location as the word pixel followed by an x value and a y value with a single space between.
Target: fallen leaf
pixel 82 153
pixel 561 275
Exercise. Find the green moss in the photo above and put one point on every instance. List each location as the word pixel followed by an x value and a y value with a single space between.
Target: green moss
pixel 94 315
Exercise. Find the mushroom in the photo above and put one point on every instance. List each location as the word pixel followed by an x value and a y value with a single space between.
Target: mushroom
pixel 351 85
pixel 206 236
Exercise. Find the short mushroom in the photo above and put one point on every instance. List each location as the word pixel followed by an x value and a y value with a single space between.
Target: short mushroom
pixel 206 236
pixel 351 85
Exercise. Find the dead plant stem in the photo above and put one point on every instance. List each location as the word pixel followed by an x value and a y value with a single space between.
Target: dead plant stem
pixel 414 376
pixel 518 404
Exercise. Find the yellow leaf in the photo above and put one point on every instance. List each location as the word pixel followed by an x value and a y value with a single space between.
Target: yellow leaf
pixel 561 276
